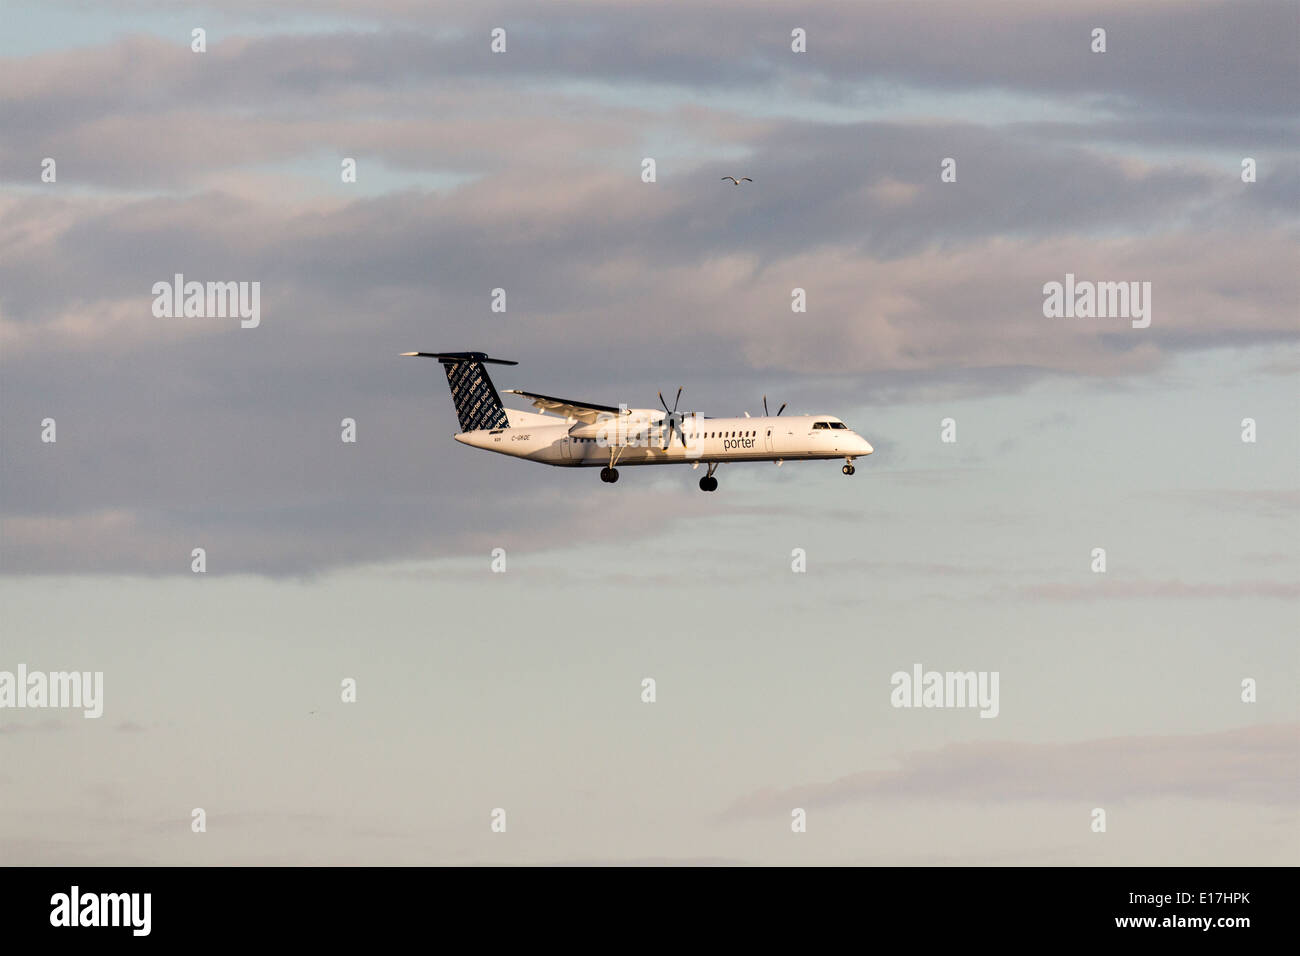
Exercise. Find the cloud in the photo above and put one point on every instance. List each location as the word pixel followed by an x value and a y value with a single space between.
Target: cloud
pixel 50 725
pixel 1122 590
pixel 1210 57
pixel 203 434
pixel 1255 765
pixel 176 434
pixel 1280 503
pixel 650 861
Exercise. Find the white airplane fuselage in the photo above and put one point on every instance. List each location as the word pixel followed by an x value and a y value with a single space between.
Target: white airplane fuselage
pixel 639 439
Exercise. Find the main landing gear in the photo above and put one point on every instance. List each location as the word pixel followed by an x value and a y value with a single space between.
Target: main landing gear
pixel 848 468
pixel 610 473
pixel 708 482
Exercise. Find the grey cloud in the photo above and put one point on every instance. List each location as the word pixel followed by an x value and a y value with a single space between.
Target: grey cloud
pixel 175 435
pixel 1225 56
pixel 652 861
pixel 183 433
pixel 50 725
pixel 1255 765
pixel 1280 503
pixel 143 110
pixel 1119 590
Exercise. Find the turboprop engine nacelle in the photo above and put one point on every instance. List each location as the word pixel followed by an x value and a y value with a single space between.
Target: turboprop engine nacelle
pixel 640 425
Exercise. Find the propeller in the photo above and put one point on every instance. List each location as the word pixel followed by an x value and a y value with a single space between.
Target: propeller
pixel 673 420
pixel 778 411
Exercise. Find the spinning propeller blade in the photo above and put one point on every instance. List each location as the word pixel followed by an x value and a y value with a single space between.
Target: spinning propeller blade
pixel 672 419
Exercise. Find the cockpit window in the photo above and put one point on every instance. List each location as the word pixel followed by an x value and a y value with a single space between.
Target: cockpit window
pixel 821 425
pixel 838 425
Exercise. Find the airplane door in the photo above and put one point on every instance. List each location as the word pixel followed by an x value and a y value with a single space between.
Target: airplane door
pixel 770 444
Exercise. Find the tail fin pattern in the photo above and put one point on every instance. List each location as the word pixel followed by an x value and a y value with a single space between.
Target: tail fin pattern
pixel 477 403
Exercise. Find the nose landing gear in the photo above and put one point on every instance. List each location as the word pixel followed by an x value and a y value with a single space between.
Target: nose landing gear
pixel 848 468
pixel 609 474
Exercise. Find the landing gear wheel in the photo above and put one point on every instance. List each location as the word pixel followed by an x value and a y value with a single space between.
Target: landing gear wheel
pixel 613 475
pixel 853 469
pixel 847 469
pixel 604 474
pixel 708 484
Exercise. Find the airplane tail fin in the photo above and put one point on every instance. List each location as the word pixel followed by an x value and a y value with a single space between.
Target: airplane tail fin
pixel 477 403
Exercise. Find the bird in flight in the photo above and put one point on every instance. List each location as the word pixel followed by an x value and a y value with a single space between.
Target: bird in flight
pixel 737 182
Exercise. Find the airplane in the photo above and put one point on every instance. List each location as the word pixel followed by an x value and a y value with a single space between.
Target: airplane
pixel 589 436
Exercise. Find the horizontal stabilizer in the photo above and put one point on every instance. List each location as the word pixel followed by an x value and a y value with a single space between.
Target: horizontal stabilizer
pixel 453 357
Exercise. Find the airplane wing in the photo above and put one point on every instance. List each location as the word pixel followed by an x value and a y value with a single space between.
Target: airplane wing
pixel 582 411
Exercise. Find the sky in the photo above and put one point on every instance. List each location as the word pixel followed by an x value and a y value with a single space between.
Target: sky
pixel 522 690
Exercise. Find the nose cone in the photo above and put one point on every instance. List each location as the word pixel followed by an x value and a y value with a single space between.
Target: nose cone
pixel 866 446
